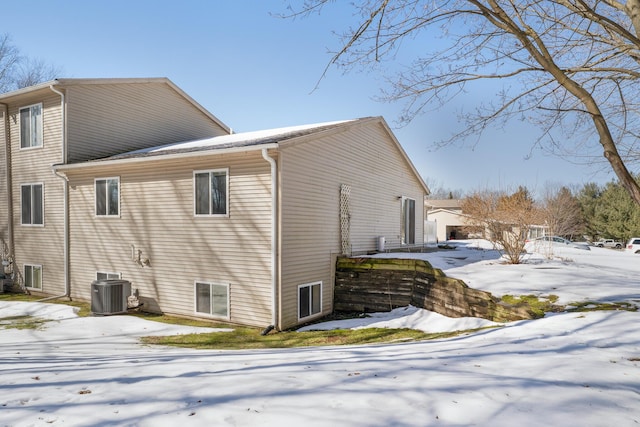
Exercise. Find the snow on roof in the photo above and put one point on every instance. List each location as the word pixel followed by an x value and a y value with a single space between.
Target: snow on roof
pixel 443 203
pixel 243 139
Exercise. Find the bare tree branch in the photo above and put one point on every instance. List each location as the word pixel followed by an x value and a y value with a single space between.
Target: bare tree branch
pixel 17 71
pixel 569 66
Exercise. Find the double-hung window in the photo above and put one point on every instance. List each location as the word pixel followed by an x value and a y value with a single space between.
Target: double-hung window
pixel 107 196
pixel 309 299
pixel 408 227
pixel 32 204
pixel 211 192
pixel 31 126
pixel 33 276
pixel 212 299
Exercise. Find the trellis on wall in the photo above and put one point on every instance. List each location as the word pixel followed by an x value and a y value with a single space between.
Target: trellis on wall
pixel 345 219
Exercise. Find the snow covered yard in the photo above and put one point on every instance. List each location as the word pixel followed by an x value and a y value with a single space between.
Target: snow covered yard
pixel 566 369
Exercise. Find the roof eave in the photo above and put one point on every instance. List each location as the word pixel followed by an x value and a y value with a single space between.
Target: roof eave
pixel 27 90
pixel 198 106
pixel 405 155
pixel 161 157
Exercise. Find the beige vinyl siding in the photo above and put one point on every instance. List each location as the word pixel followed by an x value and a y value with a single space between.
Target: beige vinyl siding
pixel 367 159
pixel 157 217
pixel 113 118
pixel 41 245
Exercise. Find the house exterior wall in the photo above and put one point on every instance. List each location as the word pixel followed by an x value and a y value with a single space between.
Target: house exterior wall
pixel 107 119
pixel 364 157
pixel 39 244
pixel 100 119
pixel 156 199
pixel 157 218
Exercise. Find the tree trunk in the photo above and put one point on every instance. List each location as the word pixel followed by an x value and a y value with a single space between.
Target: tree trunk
pixel 632 9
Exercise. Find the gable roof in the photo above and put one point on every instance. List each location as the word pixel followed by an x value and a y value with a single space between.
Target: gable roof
pixel 236 140
pixel 443 203
pixel 64 83
pixel 449 211
pixel 246 141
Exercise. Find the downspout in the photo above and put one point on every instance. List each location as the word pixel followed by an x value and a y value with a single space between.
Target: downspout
pixel 9 184
pixel 65 199
pixel 274 242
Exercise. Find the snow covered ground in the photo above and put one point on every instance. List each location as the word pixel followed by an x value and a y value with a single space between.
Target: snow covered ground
pixel 569 369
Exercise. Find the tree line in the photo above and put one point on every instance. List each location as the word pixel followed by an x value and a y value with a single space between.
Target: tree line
pixel 608 211
pixel 589 213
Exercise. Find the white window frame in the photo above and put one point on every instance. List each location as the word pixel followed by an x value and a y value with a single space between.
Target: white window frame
pixel 31 223
pixel 106 204
pixel 39 127
pixel 311 314
pixel 108 275
pixel 195 190
pixel 24 272
pixel 405 226
pixel 211 313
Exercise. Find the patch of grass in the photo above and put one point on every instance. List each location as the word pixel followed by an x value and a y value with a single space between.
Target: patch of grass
pixel 18 297
pixel 542 305
pixel 164 318
pixel 584 306
pixel 538 305
pixel 244 337
pixel 250 338
pixel 22 322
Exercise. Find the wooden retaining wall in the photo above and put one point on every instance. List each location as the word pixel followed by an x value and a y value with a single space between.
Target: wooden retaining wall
pixel 382 284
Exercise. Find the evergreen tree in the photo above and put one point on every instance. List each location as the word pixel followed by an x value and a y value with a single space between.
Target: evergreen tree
pixel 588 199
pixel 616 214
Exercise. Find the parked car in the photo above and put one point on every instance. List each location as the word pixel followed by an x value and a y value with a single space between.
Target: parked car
pixel 555 240
pixel 634 245
pixel 608 243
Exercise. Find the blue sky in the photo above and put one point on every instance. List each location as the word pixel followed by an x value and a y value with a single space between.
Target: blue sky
pixel 256 71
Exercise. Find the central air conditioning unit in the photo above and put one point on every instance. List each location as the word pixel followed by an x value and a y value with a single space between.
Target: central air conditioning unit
pixel 109 296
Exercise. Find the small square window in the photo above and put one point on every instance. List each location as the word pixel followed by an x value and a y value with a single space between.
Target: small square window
pixel 31 126
pixel 33 276
pixel 107 196
pixel 309 299
pixel 211 192
pixel 212 299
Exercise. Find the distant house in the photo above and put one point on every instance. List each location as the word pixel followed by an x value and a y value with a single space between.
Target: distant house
pixel 204 223
pixel 447 215
pixel 452 223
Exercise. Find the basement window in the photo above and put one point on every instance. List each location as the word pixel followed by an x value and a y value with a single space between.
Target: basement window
pixel 102 275
pixel 33 276
pixel 309 300
pixel 212 299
